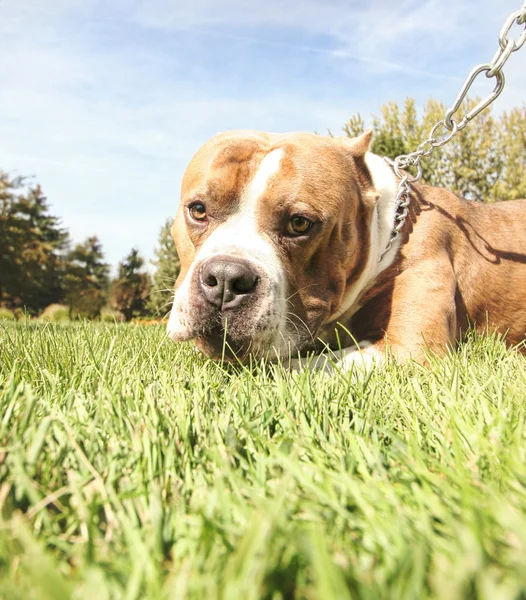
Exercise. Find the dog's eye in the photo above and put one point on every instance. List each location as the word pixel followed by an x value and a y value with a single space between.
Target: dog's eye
pixel 298 225
pixel 197 211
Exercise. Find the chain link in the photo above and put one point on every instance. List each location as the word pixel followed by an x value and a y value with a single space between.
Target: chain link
pixel 451 126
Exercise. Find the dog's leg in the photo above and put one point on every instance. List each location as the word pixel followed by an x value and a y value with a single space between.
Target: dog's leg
pixel 423 311
pixel 423 317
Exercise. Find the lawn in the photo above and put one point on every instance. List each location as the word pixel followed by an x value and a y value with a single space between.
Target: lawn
pixel 131 467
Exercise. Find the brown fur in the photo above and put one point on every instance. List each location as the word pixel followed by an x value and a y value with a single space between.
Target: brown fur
pixel 462 263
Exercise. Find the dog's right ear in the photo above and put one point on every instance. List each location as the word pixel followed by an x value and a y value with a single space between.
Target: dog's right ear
pixel 358 145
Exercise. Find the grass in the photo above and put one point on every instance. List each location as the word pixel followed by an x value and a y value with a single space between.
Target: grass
pixel 130 467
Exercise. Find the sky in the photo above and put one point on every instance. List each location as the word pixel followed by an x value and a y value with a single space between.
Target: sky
pixel 105 102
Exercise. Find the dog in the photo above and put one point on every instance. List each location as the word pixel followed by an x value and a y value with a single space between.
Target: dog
pixel 284 241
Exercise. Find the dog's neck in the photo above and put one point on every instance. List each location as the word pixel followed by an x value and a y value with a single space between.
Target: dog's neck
pixel 385 184
pixel 382 223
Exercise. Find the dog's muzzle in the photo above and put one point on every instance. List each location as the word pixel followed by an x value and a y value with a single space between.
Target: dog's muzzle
pixel 232 303
pixel 228 296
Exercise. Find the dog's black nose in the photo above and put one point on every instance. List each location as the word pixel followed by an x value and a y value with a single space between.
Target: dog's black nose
pixel 226 281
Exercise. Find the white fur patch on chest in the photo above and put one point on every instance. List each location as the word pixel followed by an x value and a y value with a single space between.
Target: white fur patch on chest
pixel 385 183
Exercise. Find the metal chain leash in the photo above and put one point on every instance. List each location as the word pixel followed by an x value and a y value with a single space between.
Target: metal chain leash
pixel 492 70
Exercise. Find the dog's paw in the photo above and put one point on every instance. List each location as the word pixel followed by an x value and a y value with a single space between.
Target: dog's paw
pixel 363 357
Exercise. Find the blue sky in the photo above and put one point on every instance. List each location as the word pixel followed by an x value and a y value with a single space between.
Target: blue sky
pixel 105 102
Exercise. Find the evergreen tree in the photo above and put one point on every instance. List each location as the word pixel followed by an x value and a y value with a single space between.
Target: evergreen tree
pixel 86 279
pixel 167 265
pixel 32 247
pixel 131 289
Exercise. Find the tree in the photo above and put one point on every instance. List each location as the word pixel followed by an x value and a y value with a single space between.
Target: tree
pixel 512 148
pixel 130 290
pixel 486 161
pixel 32 247
pixel 86 279
pixel 400 131
pixel 167 265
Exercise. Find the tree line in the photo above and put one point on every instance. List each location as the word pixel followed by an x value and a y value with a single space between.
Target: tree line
pixel 42 271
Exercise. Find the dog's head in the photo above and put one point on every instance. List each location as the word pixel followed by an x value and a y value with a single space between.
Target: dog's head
pixel 274 234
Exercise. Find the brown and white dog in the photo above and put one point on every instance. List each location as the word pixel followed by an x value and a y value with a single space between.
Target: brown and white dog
pixel 281 240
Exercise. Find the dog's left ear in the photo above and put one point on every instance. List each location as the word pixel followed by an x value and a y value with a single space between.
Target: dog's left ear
pixel 358 145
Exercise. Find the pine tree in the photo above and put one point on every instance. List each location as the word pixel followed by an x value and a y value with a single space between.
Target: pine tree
pixel 86 279
pixel 167 265
pixel 32 247
pixel 131 289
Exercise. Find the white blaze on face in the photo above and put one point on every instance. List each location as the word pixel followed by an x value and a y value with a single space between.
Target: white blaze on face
pixel 237 236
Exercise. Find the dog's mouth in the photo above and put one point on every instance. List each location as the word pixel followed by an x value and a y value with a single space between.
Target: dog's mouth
pixel 220 343
pixel 217 344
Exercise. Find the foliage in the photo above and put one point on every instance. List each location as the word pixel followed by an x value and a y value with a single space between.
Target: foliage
pixel 512 146
pixel 32 244
pixel 7 314
pixel 485 162
pixel 86 279
pixel 133 468
pixel 167 265
pixel 109 315
pixel 55 313
pixel 131 289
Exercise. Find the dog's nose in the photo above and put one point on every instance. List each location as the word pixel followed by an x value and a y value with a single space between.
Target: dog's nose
pixel 226 281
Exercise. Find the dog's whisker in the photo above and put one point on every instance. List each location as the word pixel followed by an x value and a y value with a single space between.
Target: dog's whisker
pixel 303 323
pixel 300 290
pixel 290 339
